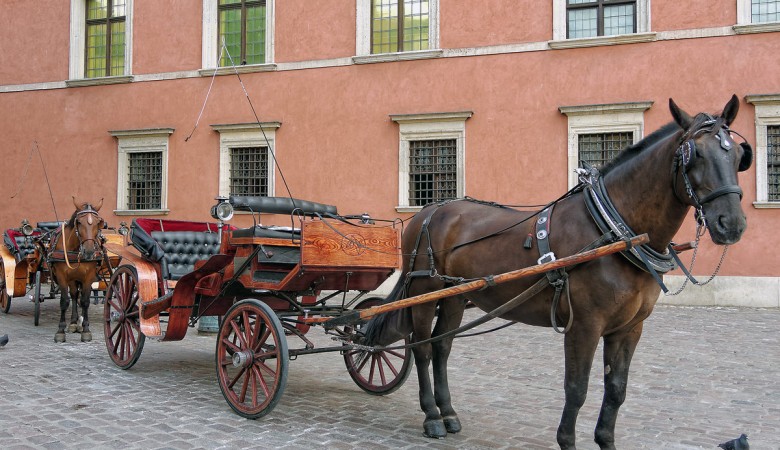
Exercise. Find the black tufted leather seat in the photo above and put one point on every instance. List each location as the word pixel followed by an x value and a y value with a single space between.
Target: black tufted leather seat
pixel 19 245
pixel 183 248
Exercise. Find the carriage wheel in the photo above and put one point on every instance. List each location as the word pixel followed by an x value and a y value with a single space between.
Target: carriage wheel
pixel 5 299
pixel 121 327
pixel 378 372
pixel 37 298
pixel 252 358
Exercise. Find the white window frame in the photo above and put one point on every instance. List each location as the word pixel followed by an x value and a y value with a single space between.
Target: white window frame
pixel 363 37
pixel 604 118
pixel 78 32
pixel 242 135
pixel 745 20
pixel 642 34
pixel 136 141
pixel 211 48
pixel 767 114
pixel 430 126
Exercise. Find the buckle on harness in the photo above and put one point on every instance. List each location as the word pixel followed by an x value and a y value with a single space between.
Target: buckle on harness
pixel 547 257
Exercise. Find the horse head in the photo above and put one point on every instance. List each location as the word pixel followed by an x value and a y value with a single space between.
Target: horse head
pixel 705 170
pixel 87 223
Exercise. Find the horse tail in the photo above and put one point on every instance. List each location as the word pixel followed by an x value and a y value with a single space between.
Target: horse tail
pixel 389 327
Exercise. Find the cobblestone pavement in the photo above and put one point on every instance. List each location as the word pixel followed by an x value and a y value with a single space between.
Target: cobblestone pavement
pixel 700 376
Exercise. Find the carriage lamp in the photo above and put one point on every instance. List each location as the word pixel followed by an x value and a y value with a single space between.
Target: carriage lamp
pixel 123 230
pixel 26 228
pixel 223 210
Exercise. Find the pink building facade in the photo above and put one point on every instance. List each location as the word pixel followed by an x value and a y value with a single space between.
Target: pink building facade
pixel 512 92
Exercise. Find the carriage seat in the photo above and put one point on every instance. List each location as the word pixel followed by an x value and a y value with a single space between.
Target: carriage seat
pixel 260 231
pixel 18 244
pixel 279 205
pixel 183 248
pixel 49 226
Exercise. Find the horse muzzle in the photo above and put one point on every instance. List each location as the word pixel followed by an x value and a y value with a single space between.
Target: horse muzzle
pixel 727 229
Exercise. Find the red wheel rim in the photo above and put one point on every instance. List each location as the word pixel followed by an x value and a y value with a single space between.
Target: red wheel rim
pixel 123 336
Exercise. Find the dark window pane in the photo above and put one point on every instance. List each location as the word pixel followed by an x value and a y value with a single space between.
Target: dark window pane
pixel 432 171
pixel 144 180
pixel 249 171
pixel 599 148
pixel 773 162
pixel 590 18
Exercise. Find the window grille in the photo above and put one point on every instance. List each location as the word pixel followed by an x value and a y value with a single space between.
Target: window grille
pixel 432 171
pixel 399 25
pixel 599 148
pixel 773 162
pixel 765 11
pixel 591 18
pixel 144 186
pixel 105 39
pixel 242 26
pixel 249 171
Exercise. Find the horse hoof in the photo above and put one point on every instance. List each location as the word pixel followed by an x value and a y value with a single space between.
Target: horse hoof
pixel 452 424
pixel 86 336
pixel 73 328
pixel 59 337
pixel 434 429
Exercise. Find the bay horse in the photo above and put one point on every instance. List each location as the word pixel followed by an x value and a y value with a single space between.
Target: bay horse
pixel 75 255
pixel 648 188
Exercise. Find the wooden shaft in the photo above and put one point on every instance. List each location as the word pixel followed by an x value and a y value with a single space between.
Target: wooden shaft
pixel 505 277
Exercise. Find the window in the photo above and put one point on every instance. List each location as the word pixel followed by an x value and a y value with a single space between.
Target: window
pixel 596 133
pixel 390 30
pixel 142 174
pixel 589 18
pixel 762 11
pixel 247 29
pixel 242 29
pixel 100 42
pixel 249 171
pixel 599 148
pixel 433 174
pixel 600 22
pixel 246 166
pixel 399 25
pixel 767 149
pixel 431 158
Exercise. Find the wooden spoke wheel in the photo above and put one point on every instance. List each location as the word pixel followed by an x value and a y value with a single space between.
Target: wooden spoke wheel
pixel 252 358
pixel 121 326
pixel 37 298
pixel 5 299
pixel 378 372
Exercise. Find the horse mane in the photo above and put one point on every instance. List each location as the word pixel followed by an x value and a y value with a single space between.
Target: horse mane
pixel 651 140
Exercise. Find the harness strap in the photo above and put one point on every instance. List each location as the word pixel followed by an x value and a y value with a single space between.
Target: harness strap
pixel 558 278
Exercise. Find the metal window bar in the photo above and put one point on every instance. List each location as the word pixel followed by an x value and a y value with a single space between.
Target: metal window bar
pixel 599 148
pixel 587 18
pixel 144 181
pixel 249 171
pixel 432 171
pixel 773 162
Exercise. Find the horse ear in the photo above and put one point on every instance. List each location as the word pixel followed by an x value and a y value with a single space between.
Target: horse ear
pixel 683 119
pixel 731 109
pixel 99 205
pixel 747 157
pixel 75 203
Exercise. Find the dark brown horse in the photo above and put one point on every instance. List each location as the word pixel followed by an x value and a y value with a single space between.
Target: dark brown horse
pixel 75 255
pixel 651 187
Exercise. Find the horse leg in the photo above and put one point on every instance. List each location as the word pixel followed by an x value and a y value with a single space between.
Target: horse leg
pixel 450 316
pixel 86 335
pixel 433 426
pixel 618 351
pixel 64 303
pixel 75 295
pixel 579 347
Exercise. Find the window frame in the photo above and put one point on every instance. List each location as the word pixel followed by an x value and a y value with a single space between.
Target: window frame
pixel 423 127
pixel 78 53
pixel 363 33
pixel 141 141
pixel 211 45
pixel 600 6
pixel 767 113
pixel 561 27
pixel 745 20
pixel 244 135
pixel 601 118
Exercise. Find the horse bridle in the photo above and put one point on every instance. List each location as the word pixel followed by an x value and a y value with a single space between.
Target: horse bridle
pixel 683 158
pixel 98 237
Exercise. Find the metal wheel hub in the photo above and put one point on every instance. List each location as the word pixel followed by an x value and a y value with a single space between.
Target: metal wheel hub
pixel 243 359
pixel 117 316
